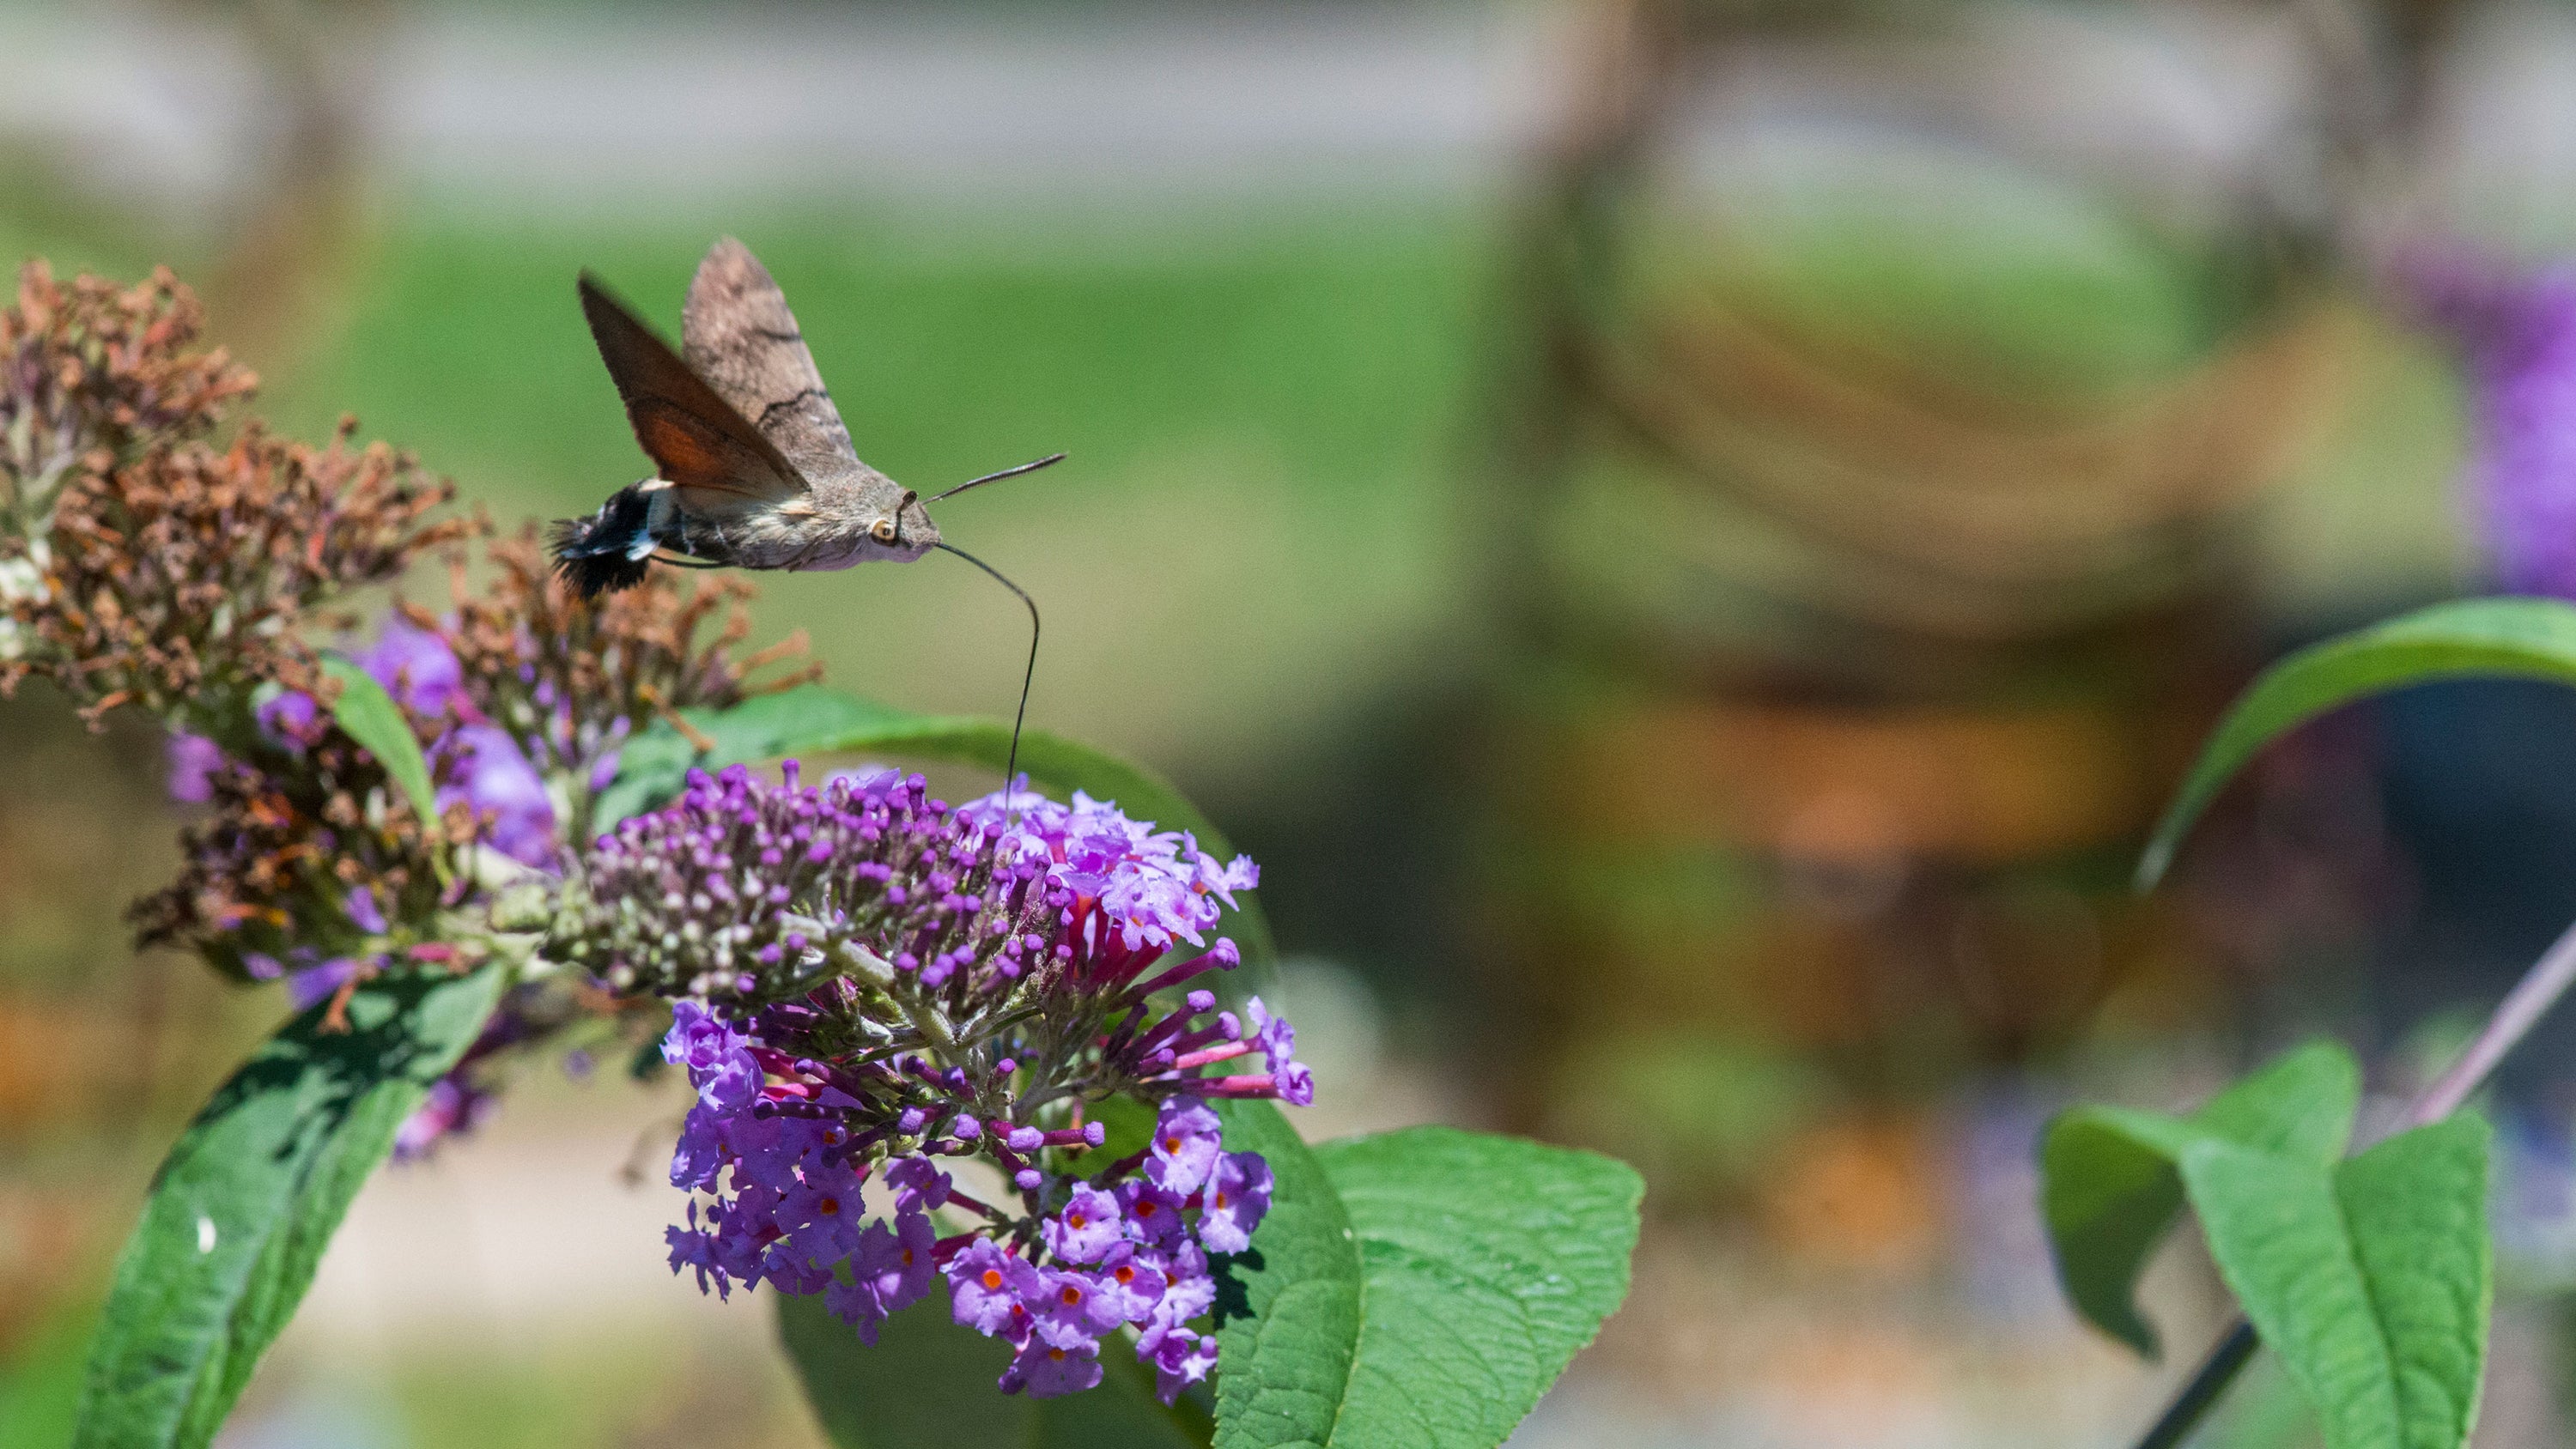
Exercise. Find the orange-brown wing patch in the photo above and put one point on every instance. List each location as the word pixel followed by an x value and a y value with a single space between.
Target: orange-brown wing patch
pixel 696 439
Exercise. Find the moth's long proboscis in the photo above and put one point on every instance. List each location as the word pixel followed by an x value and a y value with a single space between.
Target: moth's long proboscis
pixel 1011 766
pixel 995 477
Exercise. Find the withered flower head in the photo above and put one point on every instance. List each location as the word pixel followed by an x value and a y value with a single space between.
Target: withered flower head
pixel 90 375
pixel 570 679
pixel 182 576
pixel 303 860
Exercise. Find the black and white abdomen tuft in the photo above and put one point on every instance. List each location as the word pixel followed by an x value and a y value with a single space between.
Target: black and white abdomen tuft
pixel 612 548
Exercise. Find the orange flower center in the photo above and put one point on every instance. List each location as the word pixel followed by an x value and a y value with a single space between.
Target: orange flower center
pixel 992 1280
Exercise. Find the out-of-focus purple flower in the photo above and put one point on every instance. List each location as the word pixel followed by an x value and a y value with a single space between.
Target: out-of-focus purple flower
pixel 452 1108
pixel 1237 1196
pixel 496 781
pixel 291 718
pixel 858 1303
pixel 309 984
pixel 2517 330
pixel 718 1058
pixel 193 761
pixel 415 666
pixel 363 912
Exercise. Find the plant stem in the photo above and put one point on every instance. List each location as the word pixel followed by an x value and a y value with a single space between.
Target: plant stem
pixel 2515 1016
pixel 2216 1372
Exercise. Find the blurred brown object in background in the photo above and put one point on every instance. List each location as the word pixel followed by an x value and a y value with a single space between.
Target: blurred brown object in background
pixel 1862 656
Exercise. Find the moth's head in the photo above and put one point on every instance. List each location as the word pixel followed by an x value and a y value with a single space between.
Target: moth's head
pixel 905 534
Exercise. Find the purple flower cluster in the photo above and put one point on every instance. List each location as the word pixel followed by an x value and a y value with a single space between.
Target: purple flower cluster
pixel 2518 334
pixel 869 977
pixel 475 762
pixel 786 1190
pixel 741 890
pixel 1124 1253
pixel 785 1208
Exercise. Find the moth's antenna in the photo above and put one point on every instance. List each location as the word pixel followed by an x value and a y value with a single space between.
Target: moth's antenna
pixel 1011 769
pixel 990 477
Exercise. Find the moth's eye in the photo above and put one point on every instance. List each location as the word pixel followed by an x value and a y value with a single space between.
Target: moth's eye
pixel 883 529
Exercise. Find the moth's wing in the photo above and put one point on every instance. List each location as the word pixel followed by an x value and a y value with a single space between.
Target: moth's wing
pixel 737 333
pixel 719 463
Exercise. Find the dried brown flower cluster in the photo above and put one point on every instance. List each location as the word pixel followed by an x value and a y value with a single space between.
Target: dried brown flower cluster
pixel 91 374
pixel 568 678
pixel 188 571
pixel 147 565
pixel 273 869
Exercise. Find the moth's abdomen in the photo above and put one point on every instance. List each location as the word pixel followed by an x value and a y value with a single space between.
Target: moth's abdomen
pixel 612 549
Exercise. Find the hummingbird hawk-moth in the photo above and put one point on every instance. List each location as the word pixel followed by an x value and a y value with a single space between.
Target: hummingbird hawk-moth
pixel 752 466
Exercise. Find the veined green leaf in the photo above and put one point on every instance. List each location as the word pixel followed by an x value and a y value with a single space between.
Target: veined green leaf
pixel 1421 1287
pixel 367 714
pixel 2110 1187
pixel 2371 1279
pixel 2476 638
pixel 242 1208
pixel 1485 1263
pixel 1288 1308
pixel 929 1384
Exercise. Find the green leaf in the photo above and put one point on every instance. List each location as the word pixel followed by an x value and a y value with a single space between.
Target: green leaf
pixel 369 715
pixel 243 1206
pixel 928 1384
pixel 2476 638
pixel 813 720
pixel 2371 1279
pixel 2110 1190
pixel 1421 1287
pixel 1288 1307
pixel 1485 1263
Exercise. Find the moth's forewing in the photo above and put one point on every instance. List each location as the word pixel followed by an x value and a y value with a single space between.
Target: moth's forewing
pixel 736 332
pixel 700 443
